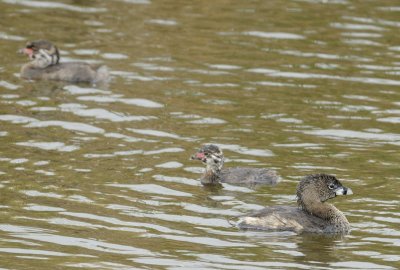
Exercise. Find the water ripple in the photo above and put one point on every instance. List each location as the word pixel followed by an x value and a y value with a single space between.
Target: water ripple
pixel 351 26
pixel 273 35
pixel 175 179
pixel 153 189
pixel 298 75
pixel 99 113
pixel 8 85
pixel 76 90
pixel 30 233
pixel 247 151
pixel 158 133
pixel 57 146
pixel 44 4
pixel 341 133
pixel 36 252
pixel 359 265
pixel 117 98
pixel 115 221
pixel 74 126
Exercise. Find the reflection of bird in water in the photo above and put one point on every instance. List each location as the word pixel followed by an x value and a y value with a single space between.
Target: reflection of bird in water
pixel 212 156
pixel 319 248
pixel 313 214
pixel 45 65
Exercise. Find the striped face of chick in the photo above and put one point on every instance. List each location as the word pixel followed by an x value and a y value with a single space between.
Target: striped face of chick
pixel 42 53
pixel 211 155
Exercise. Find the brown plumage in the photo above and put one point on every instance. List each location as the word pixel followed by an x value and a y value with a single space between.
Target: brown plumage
pixel 313 215
pixel 212 156
pixel 45 65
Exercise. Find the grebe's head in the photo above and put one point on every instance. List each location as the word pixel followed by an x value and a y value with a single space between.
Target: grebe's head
pixel 42 53
pixel 320 187
pixel 211 155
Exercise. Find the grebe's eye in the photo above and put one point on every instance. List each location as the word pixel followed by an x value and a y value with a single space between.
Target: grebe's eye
pixel 331 186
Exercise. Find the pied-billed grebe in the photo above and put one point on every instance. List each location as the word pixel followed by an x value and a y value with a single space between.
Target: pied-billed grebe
pixel 313 215
pixel 45 65
pixel 212 156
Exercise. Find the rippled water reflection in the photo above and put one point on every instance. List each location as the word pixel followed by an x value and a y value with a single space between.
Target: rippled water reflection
pixel 100 177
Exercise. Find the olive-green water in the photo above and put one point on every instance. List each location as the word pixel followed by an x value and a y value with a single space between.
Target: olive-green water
pixel 100 177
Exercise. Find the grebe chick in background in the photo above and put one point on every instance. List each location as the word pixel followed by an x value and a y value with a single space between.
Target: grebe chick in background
pixel 45 65
pixel 212 156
